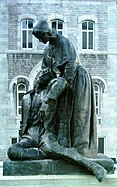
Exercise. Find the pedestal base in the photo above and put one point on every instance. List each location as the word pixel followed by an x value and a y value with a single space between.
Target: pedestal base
pixel 57 181
pixel 51 167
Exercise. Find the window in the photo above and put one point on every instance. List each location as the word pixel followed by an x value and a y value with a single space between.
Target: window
pixel 88 35
pixel 13 140
pixel 18 86
pixel 97 98
pixel 99 88
pixel 26 34
pixel 101 145
pixel 21 90
pixel 58 26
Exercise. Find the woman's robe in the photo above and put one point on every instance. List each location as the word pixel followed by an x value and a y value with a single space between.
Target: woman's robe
pixel 74 120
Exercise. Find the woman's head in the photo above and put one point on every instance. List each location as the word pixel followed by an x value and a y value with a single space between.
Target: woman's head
pixel 42 31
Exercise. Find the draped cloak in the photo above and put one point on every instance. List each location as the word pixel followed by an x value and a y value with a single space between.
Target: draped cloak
pixel 75 118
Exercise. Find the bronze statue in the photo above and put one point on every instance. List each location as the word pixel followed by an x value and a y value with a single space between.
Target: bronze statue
pixel 66 128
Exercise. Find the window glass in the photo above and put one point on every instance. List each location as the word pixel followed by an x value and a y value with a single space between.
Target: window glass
pixel 30 39
pixel 90 40
pixel 24 24
pixel 14 140
pixel 54 24
pixel 84 26
pixel 60 25
pixel 90 25
pixel 84 40
pixel 101 145
pixel 24 39
pixel 19 111
pixel 21 87
pixel 60 32
pixel 30 24
pixel 20 98
pixel 96 87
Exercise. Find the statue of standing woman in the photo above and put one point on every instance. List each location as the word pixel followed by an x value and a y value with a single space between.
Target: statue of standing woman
pixel 75 117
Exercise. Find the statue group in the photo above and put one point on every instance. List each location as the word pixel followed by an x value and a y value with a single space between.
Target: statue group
pixel 58 115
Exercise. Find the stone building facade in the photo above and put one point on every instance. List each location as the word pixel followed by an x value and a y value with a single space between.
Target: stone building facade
pixel 91 26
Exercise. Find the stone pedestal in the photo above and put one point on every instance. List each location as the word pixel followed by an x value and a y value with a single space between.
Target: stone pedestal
pixel 51 167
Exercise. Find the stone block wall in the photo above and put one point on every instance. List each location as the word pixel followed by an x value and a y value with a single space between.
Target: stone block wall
pixel 22 64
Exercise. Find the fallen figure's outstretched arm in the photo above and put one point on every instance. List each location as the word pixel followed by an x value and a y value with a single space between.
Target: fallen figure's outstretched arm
pixel 52 148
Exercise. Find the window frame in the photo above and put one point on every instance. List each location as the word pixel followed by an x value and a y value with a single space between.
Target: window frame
pixel 27 34
pixel 87 34
pixel 103 88
pixel 57 29
pixel 18 107
pixel 17 140
pixel 104 146
pixel 99 106
pixel 98 92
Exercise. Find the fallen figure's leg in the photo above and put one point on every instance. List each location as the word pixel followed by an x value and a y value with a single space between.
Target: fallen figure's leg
pixel 26 149
pixel 51 147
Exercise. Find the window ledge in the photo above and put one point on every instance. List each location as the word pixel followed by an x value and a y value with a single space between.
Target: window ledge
pixel 22 51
